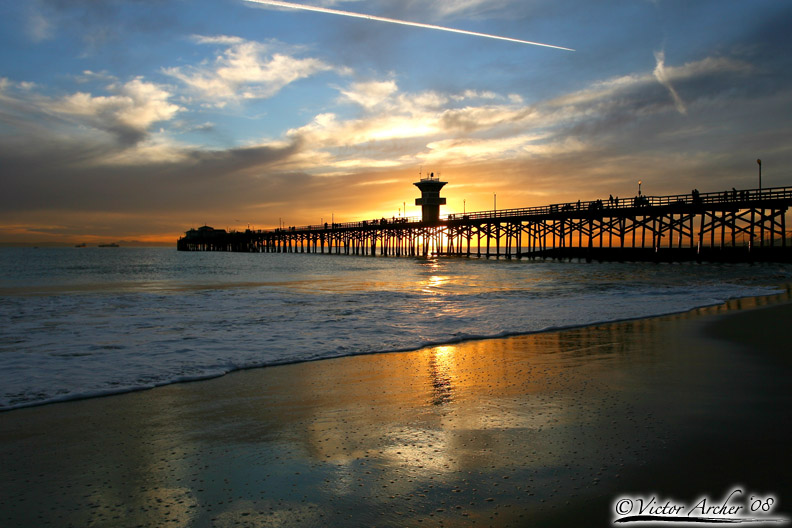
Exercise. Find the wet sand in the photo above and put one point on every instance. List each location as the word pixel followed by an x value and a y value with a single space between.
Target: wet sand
pixel 538 430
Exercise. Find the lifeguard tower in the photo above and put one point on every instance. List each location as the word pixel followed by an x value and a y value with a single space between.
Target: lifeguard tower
pixel 430 200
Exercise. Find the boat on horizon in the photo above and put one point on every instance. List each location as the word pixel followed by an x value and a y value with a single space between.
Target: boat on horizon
pixel 111 244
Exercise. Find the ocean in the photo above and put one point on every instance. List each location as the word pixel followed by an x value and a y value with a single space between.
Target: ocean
pixel 82 322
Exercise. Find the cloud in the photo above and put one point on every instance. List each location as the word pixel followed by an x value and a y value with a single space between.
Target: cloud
pixel 451 8
pixel 244 70
pixel 127 114
pixel 392 114
pixel 369 94
pixel 401 128
pixel 39 28
pixel 396 128
pixel 472 149
pixel 158 176
pixel 226 40
pixel 617 88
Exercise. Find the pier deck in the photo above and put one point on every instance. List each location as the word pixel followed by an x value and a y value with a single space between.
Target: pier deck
pixel 736 225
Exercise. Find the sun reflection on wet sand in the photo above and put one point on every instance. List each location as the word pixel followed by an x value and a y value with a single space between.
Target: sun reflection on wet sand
pixel 441 365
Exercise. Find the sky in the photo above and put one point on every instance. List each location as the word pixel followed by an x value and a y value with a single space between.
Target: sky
pixel 135 120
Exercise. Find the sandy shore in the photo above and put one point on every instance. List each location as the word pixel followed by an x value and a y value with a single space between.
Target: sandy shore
pixel 539 430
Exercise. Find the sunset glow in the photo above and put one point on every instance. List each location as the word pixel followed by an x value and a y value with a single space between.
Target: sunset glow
pixel 135 123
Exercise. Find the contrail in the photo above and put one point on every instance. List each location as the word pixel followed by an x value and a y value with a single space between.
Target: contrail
pixel 662 78
pixel 291 5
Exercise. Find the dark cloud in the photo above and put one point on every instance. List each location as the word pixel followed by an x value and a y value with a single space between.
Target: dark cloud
pixel 722 102
pixel 59 177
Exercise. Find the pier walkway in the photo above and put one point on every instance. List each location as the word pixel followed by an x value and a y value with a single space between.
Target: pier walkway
pixel 736 225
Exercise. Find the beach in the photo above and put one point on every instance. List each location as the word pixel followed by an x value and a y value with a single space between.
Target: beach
pixel 545 429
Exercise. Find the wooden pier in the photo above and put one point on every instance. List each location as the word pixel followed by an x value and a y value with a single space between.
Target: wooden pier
pixel 736 225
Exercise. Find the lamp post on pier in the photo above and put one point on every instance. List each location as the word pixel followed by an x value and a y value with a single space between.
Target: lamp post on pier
pixel 760 176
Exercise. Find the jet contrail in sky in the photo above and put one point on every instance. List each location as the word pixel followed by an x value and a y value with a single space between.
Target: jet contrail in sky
pixel 291 5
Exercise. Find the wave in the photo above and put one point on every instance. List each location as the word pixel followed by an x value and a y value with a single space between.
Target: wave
pixel 68 347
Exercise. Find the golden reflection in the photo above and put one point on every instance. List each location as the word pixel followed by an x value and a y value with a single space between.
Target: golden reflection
pixel 441 365
pixel 432 284
pixel 436 279
pixel 425 454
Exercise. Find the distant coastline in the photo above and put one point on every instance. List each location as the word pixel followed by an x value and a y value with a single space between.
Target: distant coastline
pixel 75 243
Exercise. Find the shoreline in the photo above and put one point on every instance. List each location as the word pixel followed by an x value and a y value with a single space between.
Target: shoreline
pixel 742 302
pixel 538 429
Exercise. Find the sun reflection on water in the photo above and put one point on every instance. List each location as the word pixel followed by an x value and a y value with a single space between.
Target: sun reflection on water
pixel 435 279
pixel 434 282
